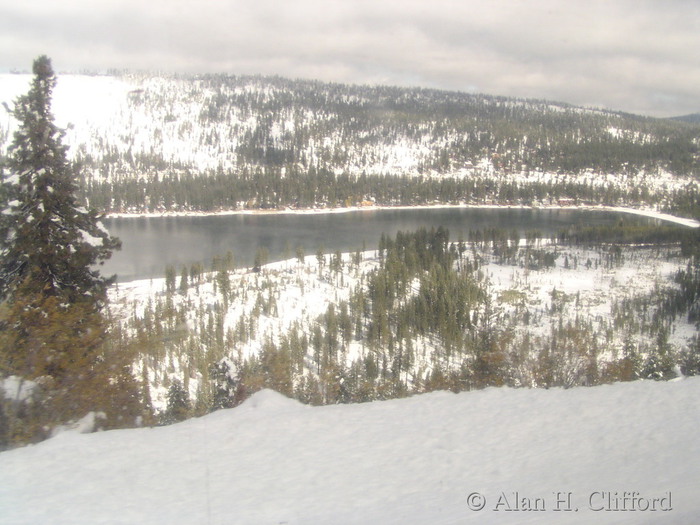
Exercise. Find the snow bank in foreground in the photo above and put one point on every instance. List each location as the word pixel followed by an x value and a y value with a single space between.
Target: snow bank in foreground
pixel 415 460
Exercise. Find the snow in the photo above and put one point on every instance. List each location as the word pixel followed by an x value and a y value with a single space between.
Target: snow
pixel 164 118
pixel 301 296
pixel 91 240
pixel 16 388
pixel 102 228
pixel 416 460
pixel 589 294
pixel 645 212
pixel 85 425
pixel 12 179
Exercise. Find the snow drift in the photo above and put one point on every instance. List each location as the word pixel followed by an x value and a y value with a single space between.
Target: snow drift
pixel 416 460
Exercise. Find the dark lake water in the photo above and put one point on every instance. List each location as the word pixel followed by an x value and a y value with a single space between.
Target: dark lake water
pixel 149 244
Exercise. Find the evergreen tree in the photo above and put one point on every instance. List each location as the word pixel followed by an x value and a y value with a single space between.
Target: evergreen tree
pixel 184 278
pixel 52 295
pixel 170 278
pixel 178 403
pixel 225 384
pixel 49 244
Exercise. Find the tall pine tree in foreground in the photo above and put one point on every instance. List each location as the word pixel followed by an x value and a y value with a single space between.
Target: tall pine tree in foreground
pixel 52 299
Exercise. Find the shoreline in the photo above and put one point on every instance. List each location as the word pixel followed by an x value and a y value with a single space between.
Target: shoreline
pixel 650 213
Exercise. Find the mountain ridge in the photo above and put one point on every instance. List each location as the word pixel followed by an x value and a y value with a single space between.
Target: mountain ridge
pixel 693 118
pixel 146 141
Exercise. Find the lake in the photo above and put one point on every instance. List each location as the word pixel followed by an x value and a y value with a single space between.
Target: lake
pixel 151 243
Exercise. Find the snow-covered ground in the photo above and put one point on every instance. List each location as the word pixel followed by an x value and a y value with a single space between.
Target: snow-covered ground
pixel 581 287
pixel 587 288
pixel 608 454
pixel 111 120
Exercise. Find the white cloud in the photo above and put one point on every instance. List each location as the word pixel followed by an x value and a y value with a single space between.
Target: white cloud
pixel 633 55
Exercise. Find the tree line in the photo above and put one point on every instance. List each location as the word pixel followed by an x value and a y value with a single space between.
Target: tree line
pixel 268 188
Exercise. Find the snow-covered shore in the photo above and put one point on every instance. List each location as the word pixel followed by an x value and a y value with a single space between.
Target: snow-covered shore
pixel 692 223
pixel 621 453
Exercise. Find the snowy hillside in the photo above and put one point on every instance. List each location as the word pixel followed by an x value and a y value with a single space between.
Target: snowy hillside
pixel 584 305
pixel 609 454
pixel 146 143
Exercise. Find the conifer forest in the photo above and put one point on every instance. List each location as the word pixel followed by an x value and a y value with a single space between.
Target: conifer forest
pixel 423 310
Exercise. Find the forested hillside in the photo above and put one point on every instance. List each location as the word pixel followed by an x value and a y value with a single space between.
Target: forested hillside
pixel 156 143
pixel 421 313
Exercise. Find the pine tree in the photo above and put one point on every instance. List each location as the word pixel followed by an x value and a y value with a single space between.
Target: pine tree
pixel 170 278
pixel 49 243
pixel 178 407
pixel 225 384
pixel 52 296
pixel 184 278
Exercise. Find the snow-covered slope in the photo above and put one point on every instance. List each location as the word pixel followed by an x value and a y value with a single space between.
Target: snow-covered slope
pixel 579 289
pixel 135 126
pixel 579 454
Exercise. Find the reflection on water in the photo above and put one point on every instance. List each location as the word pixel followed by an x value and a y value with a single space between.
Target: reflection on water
pixel 149 244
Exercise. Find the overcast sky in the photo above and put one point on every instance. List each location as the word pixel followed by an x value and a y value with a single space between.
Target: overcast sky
pixel 641 56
